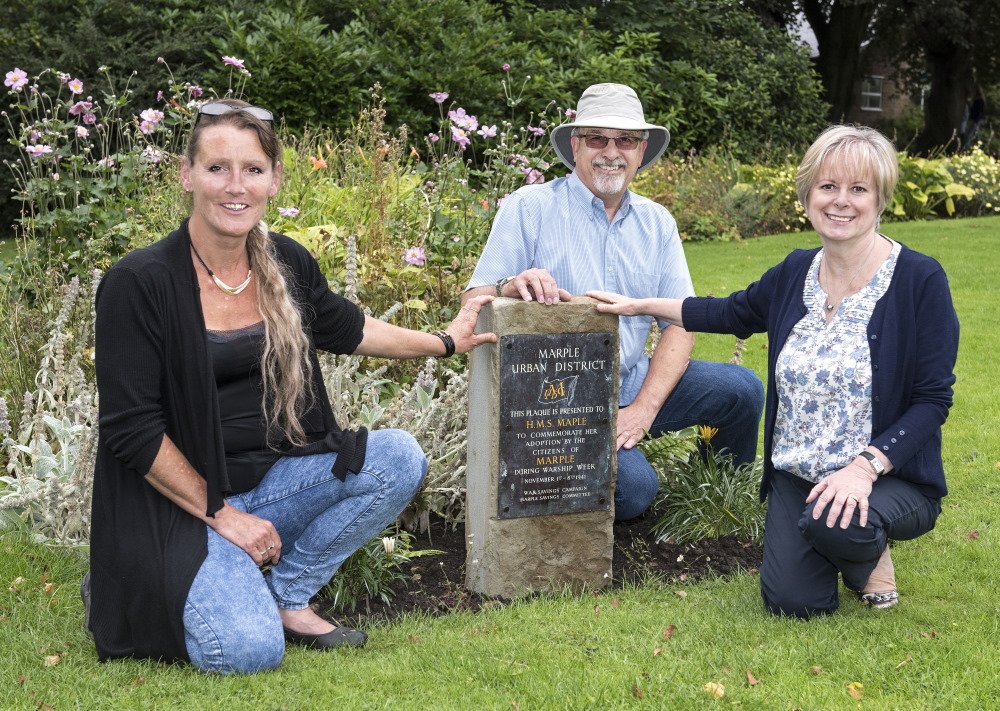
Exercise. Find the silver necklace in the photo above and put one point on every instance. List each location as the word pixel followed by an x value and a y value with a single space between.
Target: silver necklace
pixel 829 306
pixel 231 290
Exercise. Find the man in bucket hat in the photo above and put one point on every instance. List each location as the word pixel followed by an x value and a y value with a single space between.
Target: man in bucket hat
pixel 587 231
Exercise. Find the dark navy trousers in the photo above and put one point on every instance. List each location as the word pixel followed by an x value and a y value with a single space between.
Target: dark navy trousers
pixel 803 558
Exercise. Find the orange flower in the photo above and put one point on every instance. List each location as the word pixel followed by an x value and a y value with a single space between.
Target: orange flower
pixel 317 163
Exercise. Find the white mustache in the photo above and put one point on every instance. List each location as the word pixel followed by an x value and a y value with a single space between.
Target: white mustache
pixel 601 163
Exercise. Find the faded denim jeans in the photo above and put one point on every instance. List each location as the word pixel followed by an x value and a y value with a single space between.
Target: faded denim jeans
pixel 231 621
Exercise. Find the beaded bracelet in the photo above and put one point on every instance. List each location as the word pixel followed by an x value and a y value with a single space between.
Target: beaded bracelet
pixel 449 343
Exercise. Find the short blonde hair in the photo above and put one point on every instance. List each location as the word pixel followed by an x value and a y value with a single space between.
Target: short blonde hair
pixel 858 149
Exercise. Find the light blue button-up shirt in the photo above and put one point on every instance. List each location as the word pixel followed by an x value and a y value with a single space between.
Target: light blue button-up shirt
pixel 562 227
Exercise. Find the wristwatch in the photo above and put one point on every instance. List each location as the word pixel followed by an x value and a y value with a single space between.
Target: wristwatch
pixel 501 283
pixel 874 461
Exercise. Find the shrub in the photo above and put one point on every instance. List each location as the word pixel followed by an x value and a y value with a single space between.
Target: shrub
pixel 370 572
pixel 981 173
pixel 49 455
pixel 703 496
pixel 925 188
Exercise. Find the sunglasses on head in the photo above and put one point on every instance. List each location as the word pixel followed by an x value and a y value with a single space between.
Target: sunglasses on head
pixel 599 142
pixel 218 108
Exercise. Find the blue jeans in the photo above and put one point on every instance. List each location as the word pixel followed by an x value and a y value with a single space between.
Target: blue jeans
pixel 231 621
pixel 729 397
pixel 803 557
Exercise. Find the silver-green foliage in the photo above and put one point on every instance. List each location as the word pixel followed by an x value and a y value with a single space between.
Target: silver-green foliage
pixel 49 456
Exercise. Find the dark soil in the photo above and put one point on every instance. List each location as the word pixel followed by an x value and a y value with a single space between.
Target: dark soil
pixel 436 583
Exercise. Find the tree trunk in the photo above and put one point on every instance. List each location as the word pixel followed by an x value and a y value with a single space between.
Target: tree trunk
pixel 838 38
pixel 950 68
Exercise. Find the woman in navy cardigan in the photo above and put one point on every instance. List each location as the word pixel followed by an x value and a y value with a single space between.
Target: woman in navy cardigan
pixel 862 345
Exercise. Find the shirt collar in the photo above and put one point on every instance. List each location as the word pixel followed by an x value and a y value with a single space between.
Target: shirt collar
pixel 591 202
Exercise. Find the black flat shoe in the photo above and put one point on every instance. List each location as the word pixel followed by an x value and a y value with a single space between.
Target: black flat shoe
pixel 338 637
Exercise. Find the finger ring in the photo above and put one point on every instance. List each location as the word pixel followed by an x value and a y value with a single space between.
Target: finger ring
pixel 270 547
pixel 853 498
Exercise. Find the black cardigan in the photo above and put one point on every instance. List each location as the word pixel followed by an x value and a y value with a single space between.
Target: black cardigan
pixel 154 378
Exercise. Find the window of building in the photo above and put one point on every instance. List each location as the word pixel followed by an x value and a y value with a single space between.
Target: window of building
pixel 871 93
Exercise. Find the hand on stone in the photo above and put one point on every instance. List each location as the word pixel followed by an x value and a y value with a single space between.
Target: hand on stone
pixel 463 329
pixel 536 285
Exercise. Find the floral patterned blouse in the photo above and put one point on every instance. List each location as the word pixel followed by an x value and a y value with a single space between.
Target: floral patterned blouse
pixel 824 379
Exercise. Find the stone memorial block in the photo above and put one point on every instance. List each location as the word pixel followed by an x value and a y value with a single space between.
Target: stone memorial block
pixel 541 463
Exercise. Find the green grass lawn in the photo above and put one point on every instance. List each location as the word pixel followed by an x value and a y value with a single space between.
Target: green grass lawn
pixel 936 650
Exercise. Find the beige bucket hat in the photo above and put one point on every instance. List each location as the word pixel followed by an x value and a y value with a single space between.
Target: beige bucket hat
pixel 613 106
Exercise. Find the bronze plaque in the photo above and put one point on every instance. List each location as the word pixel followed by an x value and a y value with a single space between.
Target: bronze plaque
pixel 556 442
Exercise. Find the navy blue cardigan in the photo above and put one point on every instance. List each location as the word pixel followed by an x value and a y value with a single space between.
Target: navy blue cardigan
pixel 913 336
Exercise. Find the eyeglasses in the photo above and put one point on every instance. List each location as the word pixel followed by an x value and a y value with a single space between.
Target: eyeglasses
pixel 218 108
pixel 600 142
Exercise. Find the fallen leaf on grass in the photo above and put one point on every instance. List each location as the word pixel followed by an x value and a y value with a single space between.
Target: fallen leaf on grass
pixel 52 660
pixel 929 635
pixel 415 639
pixel 715 689
pixel 680 593
pixel 15 586
pixel 597 609
pixel 751 679
pixel 909 658
pixel 49 588
pixel 657 651
pixel 637 692
pixel 669 631
pixel 21 679
pixel 514 706
pixel 816 670
pixel 46 707
pixel 854 689
pixel 972 535
pixel 615 603
pixel 138 681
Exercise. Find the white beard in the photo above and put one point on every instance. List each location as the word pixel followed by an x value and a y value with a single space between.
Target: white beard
pixel 609 184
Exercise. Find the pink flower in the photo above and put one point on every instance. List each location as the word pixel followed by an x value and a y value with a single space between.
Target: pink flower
pixel 90 118
pixel 415 256
pixel 460 137
pixel 108 162
pixel 147 127
pixel 75 86
pixel 532 176
pixel 505 67
pixel 463 120
pixel 536 131
pixel 234 62
pixel 16 79
pixel 288 211
pixel 159 95
pixel 570 113
pixel 80 107
pixel 37 151
pixel 81 132
pixel 195 91
pixel 488 131
pixel 34 135
pixel 439 96
pixel 152 116
pixel 153 155
pixel 433 137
